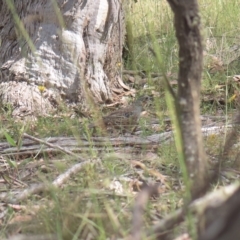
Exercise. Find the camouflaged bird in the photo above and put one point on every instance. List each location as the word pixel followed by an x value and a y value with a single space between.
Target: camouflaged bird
pixel 125 119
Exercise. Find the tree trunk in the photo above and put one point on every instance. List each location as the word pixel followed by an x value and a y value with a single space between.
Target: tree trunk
pixel 187 25
pixel 54 50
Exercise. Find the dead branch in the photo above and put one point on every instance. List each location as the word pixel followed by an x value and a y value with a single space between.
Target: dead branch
pixel 35 189
pixel 197 207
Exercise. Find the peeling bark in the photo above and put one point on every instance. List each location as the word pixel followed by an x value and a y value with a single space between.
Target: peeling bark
pixel 77 44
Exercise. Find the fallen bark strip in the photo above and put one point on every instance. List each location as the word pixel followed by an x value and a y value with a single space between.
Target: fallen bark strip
pixel 83 150
pixel 9 198
pixel 75 144
pixel 52 146
pixel 71 144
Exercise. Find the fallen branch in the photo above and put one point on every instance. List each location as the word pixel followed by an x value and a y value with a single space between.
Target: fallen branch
pixel 197 207
pixel 8 197
pixel 69 145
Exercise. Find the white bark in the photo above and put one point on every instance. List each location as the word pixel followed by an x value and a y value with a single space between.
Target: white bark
pixel 77 45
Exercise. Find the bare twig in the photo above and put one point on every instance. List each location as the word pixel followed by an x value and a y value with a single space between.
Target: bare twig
pixel 140 204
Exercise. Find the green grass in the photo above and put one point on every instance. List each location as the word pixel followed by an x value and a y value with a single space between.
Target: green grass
pixel 220 30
